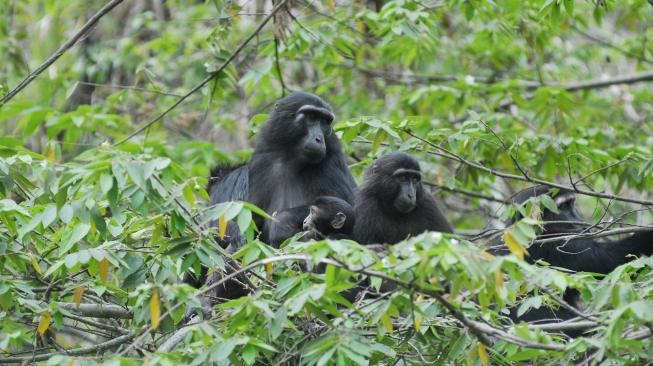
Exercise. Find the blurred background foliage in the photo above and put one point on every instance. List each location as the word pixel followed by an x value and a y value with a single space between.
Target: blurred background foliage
pixel 560 86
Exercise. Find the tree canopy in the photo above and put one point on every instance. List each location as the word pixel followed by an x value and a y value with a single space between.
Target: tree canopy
pixel 113 113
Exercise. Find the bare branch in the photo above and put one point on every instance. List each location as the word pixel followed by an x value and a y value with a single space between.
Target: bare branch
pixel 603 83
pixel 565 326
pixel 441 151
pixel 627 230
pixel 97 310
pixel 208 78
pixel 610 45
pixel 507 150
pixel 177 336
pixel 72 352
pixel 61 50
pixel 130 87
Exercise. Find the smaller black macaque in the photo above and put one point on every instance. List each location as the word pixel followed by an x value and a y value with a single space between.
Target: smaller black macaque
pixel 326 217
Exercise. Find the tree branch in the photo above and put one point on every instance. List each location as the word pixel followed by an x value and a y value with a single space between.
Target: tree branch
pixel 610 45
pixel 441 151
pixel 410 79
pixel 480 330
pixel 208 78
pixel 602 83
pixel 627 230
pixel 97 310
pixel 72 352
pixel 61 50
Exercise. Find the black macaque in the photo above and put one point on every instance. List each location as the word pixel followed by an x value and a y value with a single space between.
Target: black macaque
pixel 296 159
pixel 579 254
pixel 326 217
pixel 392 204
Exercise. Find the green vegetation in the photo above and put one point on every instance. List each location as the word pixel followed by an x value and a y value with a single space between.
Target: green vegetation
pixel 103 204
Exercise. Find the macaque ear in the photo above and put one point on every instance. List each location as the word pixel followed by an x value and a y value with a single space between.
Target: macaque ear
pixel 339 220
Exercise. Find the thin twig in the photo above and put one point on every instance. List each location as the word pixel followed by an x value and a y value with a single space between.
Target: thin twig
pixel 610 45
pixel 276 61
pixel 505 147
pixel 627 230
pixel 441 151
pixel 61 50
pixel 208 78
pixel 603 168
pixel 97 310
pixel 466 193
pixel 130 87
pixel 72 352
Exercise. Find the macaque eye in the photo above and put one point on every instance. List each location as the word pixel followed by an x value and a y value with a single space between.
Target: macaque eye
pixel 327 129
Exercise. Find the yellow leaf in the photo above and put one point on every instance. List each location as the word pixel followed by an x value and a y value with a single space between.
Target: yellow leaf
pixel 268 270
pixel 155 309
pixel 387 323
pixel 234 14
pixel 513 245
pixel 222 226
pixel 482 354
pixel 332 5
pixel 418 322
pixel 360 27
pixel 498 279
pixel 44 323
pixel 35 264
pixel 71 362
pixel 51 152
pixel 487 256
pixel 470 357
pixel 77 296
pixel 104 270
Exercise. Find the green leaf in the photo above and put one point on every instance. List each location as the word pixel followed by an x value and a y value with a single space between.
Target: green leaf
pixel 7 205
pixel 66 213
pixel 49 214
pixel 72 236
pixel 106 182
pixel 30 226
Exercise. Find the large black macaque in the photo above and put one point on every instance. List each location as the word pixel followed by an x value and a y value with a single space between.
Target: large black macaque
pixel 392 204
pixel 296 159
pixel 581 254
pixel 326 217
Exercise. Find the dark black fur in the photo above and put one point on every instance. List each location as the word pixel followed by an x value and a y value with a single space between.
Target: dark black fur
pixel 583 254
pixel 297 158
pixel 282 175
pixel 383 216
pixel 285 170
pixel 228 183
pixel 315 219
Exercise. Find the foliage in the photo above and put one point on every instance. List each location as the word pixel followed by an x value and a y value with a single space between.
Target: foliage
pixel 489 95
